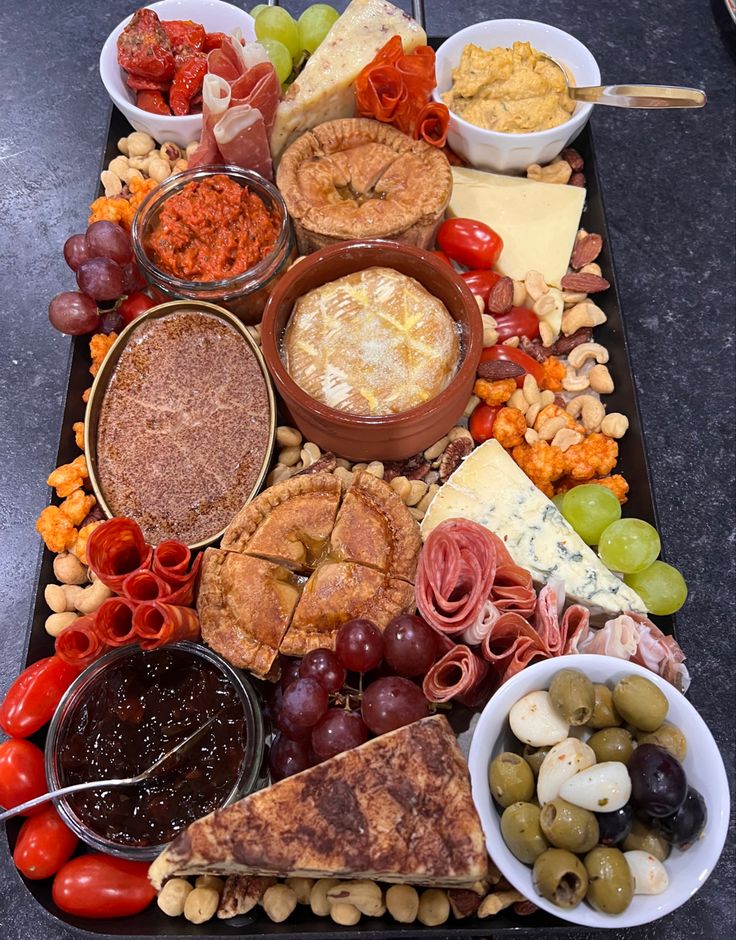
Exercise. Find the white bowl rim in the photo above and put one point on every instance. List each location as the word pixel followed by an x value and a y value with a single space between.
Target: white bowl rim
pixel 167 120
pixel 718 816
pixel 580 115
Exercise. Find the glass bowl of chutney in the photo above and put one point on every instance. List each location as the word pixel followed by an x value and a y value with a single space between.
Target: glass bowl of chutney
pixel 128 709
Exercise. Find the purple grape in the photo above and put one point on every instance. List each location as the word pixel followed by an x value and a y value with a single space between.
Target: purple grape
pixel 105 239
pixel 75 251
pixel 288 757
pixel 73 313
pixel 133 280
pixel 289 671
pixel 101 278
pixel 658 783
pixel 338 731
pixel 324 666
pixel 411 645
pixel 359 645
pixel 392 702
pixel 304 703
pixel 111 322
pixel 290 730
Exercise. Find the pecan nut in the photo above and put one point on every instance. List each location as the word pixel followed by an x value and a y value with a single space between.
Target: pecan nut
pixel 577 179
pixel 501 297
pixel 326 464
pixel 453 457
pixel 535 349
pixel 464 903
pixel 499 369
pixel 585 283
pixel 571 156
pixel 415 468
pixel 586 250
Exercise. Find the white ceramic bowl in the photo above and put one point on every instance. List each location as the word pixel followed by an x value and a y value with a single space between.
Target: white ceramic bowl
pixel 703 765
pixel 215 16
pixel 506 153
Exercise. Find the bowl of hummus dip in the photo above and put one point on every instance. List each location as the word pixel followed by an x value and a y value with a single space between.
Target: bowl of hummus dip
pixel 509 105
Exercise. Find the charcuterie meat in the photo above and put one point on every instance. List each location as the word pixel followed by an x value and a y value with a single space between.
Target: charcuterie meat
pixel 171 560
pixel 117 549
pixel 157 624
pixel 114 621
pixel 459 675
pixel 80 644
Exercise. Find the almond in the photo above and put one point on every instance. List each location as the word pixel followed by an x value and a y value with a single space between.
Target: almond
pixel 572 157
pixel 587 283
pixel 500 369
pixel 586 251
pixel 501 297
pixel 577 179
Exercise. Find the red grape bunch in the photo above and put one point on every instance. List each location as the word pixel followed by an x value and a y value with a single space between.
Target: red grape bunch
pixel 102 260
pixel 319 715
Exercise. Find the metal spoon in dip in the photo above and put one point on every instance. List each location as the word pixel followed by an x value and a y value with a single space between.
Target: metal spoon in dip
pixel 120 782
pixel 634 96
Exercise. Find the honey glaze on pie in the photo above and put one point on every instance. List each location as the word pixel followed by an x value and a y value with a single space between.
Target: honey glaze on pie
pixel 374 342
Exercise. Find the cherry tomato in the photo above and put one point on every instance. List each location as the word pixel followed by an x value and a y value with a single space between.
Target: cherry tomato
pixel 519 321
pixel 22 774
pixel 134 305
pixel 44 843
pixel 473 244
pixel 33 697
pixel 101 886
pixel 442 256
pixel 511 354
pixel 481 422
pixel 481 282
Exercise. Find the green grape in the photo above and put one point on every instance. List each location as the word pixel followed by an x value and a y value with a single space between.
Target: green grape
pixel 660 586
pixel 279 56
pixel 314 24
pixel 276 23
pixel 257 9
pixel 629 545
pixel 590 509
pixel 558 500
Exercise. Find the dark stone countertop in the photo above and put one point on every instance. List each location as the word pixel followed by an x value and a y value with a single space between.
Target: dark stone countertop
pixel 668 182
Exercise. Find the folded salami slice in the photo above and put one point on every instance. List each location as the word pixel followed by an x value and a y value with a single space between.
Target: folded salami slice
pixel 513 589
pixel 512 644
pixel 117 549
pixel 547 617
pixel 459 675
pixel 114 621
pixel 157 624
pixel 171 560
pixel 80 644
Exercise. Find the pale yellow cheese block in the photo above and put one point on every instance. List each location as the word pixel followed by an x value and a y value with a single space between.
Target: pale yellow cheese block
pixel 537 221
pixel 324 90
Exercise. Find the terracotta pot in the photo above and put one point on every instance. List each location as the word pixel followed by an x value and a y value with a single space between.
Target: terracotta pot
pixel 382 437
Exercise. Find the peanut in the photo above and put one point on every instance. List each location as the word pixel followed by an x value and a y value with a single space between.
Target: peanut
pixel 600 380
pixel 56 598
pixel 458 433
pixel 530 388
pixel 55 623
pixel 402 902
pixel 347 915
pixel 535 285
pixel 288 437
pixel 490 333
pixel 550 427
pixel 531 436
pixel 318 901
pixel 418 489
pixel 279 902
pixel 402 487
pixel 434 907
pixel 472 404
pixel 290 456
pixel 191 148
pixel 376 469
pixel 518 401
pixel 200 905
pixel 69 569
pixel 438 448
pixel 343 475
pixel 512 341
pixel 173 895
pixel 615 424
pixel 302 888
pixel 519 294
pixel 565 438
pixel 583 314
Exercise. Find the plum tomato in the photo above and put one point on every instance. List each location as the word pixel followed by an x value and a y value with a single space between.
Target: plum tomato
pixel 22 774
pixel 443 257
pixel 481 283
pixel 44 843
pixel 33 697
pixel 101 886
pixel 481 422
pixel 519 321
pixel 134 305
pixel 472 244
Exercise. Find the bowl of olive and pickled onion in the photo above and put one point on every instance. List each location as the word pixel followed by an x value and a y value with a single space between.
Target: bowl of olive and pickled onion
pixel 628 816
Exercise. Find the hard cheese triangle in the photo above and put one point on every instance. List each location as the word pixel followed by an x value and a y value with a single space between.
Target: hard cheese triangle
pixel 489 488
pixel 397 808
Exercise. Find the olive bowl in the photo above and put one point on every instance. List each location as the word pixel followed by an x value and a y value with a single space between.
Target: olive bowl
pixel 688 870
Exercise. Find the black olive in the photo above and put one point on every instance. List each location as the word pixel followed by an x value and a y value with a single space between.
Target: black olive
pixel 682 828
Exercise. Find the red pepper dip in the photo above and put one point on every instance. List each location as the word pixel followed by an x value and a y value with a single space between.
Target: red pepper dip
pixel 212 230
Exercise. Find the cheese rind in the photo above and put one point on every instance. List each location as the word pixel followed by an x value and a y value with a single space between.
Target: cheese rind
pixel 324 90
pixel 489 488
pixel 538 222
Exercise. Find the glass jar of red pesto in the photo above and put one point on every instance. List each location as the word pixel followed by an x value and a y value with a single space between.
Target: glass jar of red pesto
pixel 243 294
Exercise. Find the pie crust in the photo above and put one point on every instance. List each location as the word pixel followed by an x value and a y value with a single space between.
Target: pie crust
pixel 356 178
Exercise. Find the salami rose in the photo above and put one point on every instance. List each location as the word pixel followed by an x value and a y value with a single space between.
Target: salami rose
pixel 117 549
pixel 80 644
pixel 157 624
pixel 459 675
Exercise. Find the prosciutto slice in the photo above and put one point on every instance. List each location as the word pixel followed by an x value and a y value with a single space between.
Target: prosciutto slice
pixel 117 549
pixel 618 637
pixel 459 675
pixel 660 653
pixel 157 624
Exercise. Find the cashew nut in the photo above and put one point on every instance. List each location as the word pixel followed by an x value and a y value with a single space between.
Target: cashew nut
pixel 279 474
pixel 600 380
pixel 363 894
pixel 574 382
pixel 290 456
pixel 580 354
pixel 417 491
pixel 402 902
pixel 55 623
pixel 530 388
pixel 458 433
pixel 589 409
pixel 112 183
pixel 535 285
pixel 310 454
pixel 69 569
pixel 318 896
pixel 434 907
pixel 549 304
pixel 546 397
pixel 139 163
pixel 347 915
pixel 438 448
pixel 279 902
pixel 288 437
pixel 133 175
pixel 519 298
pixel 572 297
pixel 140 143
pixel 173 895
pixel 472 404
pixel 550 427
pixel 123 146
pixel 592 268
pixel 490 333
pixel 518 401
pixel 559 171
pixel 302 888
pixel 615 424
pixel 201 904
pixel 565 438
pixel 88 600
pixel 191 148
pixel 532 411
pixel 547 334
pixel 344 476
pixel 583 314
pixel 170 151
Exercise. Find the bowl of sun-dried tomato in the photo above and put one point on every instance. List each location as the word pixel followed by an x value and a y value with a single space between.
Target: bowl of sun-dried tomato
pixel 153 63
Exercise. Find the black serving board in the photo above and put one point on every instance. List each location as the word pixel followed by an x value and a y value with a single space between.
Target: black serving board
pixel 632 463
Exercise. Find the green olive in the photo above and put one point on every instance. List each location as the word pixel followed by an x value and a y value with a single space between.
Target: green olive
pixel 521 832
pixel 511 779
pixel 642 838
pixel 534 756
pixel 610 883
pixel 640 702
pixel 612 744
pixel 573 696
pixel 604 711
pixel 568 827
pixel 667 736
pixel 560 877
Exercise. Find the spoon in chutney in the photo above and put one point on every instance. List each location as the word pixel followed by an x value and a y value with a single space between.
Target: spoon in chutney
pixel 117 782
pixel 633 96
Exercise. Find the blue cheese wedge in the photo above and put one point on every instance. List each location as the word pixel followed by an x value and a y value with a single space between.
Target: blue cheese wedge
pixel 324 90
pixel 489 488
